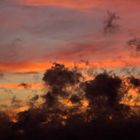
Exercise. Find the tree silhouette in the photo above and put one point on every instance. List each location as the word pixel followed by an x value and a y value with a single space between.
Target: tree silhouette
pixel 104 94
pixel 58 78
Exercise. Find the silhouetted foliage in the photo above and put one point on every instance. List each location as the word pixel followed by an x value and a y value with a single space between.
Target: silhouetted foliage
pixel 5 126
pixel 104 118
pixel 75 99
pixel 49 99
pixel 59 76
pixel 104 94
pixel 104 85
pixel 135 81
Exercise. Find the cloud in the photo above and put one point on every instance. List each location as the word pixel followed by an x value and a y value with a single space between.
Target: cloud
pixel 135 42
pixel 9 2
pixel 2 75
pixel 9 52
pixel 80 4
pixel 50 31
pixel 24 85
pixel 110 25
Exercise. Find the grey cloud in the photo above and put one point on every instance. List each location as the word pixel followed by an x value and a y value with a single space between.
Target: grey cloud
pixel 97 49
pixel 9 2
pixel 45 30
pixel 9 52
pixel 42 30
pixel 49 22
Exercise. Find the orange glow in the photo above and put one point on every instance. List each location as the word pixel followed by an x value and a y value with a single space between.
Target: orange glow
pixel 80 4
pixel 66 102
pixel 85 103
pixel 13 113
pixel 133 97
pixel 41 66
pixel 37 86
pixel 21 109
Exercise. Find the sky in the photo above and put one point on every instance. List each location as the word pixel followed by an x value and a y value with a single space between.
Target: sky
pixel 35 33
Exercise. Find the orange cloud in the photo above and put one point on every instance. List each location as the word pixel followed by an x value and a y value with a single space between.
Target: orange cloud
pixel 42 66
pixel 64 3
pixel 81 4
pixel 33 86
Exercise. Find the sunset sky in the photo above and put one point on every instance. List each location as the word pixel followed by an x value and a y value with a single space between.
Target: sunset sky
pixel 35 33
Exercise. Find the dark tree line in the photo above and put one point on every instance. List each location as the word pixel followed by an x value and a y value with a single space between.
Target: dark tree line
pixel 104 115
